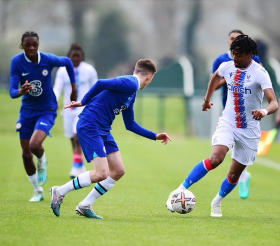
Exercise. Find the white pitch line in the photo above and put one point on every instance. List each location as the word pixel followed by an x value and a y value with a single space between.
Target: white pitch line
pixel 267 163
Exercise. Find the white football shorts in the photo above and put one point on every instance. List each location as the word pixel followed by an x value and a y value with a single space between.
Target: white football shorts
pixel 70 119
pixel 244 142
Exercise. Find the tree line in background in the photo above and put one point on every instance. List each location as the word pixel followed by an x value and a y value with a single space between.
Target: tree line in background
pixel 104 29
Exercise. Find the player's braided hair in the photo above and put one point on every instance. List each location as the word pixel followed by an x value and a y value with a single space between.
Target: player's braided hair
pixel 76 47
pixel 244 44
pixel 28 34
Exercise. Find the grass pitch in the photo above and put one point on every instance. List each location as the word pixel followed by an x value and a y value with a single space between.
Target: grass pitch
pixel 134 210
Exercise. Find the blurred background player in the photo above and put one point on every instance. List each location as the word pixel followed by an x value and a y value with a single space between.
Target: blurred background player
pixel 104 101
pixel 85 76
pixel 239 126
pixel 32 70
pixel 245 178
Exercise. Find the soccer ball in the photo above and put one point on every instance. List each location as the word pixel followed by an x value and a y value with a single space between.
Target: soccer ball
pixel 183 201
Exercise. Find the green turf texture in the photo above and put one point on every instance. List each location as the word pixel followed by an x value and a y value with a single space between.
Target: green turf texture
pixel 134 210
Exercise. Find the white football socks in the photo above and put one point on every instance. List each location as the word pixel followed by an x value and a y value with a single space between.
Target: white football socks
pixel 100 189
pixel 41 161
pixel 244 175
pixel 83 180
pixel 34 181
pixel 217 199
pixel 181 187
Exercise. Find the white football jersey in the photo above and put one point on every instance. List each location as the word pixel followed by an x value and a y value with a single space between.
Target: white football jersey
pixel 85 75
pixel 245 92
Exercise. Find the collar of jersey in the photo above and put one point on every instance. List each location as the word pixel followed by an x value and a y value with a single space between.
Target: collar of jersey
pixel 39 57
pixel 138 81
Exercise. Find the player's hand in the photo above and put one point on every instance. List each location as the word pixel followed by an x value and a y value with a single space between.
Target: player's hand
pixel 164 137
pixel 258 114
pixel 73 104
pixel 25 88
pixel 207 105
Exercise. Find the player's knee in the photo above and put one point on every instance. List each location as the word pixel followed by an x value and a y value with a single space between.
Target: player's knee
pixel 34 146
pixel 234 176
pixel 102 174
pixel 27 155
pixel 119 173
pixel 216 160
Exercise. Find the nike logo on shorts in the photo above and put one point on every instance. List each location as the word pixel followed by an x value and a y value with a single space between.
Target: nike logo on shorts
pixel 24 74
pixel 42 123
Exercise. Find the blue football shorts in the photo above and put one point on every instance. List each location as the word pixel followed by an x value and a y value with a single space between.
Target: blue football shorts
pixel 26 125
pixel 94 141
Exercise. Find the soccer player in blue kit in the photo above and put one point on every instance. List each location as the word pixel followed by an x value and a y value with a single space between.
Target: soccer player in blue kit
pixel 106 99
pixel 245 178
pixel 32 70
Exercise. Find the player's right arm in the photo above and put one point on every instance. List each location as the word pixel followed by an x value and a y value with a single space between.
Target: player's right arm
pixel 114 84
pixel 216 65
pixel 214 81
pixel 16 92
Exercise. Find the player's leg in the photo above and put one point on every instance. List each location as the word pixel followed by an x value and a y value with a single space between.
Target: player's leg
pixel 201 169
pixel 78 165
pixel 222 140
pixel 116 171
pixel 25 127
pixel 70 121
pixel 93 148
pixel 243 154
pixel 244 184
pixel 43 126
pixel 227 186
pixel 37 149
pixel 250 141
pixel 30 169
pixel 100 172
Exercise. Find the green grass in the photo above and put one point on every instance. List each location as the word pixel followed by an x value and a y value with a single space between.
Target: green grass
pixel 134 211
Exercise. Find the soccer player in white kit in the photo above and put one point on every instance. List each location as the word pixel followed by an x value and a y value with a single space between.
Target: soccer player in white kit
pixel 239 126
pixel 86 76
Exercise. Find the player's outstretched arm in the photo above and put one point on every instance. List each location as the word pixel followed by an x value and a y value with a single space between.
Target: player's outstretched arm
pixel 164 137
pixel 73 104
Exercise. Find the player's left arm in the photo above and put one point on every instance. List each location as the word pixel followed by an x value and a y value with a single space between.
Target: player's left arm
pixel 271 107
pixel 67 63
pixel 133 126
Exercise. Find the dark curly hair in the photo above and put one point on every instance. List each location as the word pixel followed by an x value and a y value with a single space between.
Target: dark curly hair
pixel 244 44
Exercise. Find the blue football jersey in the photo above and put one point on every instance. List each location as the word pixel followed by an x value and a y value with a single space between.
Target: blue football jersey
pixel 42 97
pixel 110 97
pixel 225 58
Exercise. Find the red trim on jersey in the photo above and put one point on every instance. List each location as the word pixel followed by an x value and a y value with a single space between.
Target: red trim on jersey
pixel 208 165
